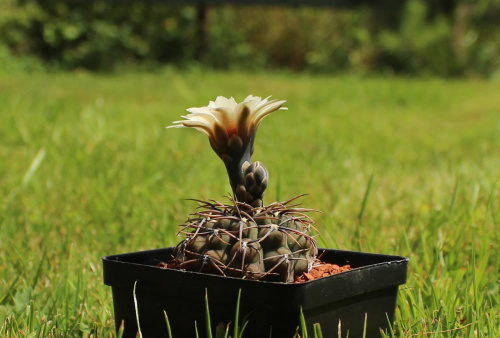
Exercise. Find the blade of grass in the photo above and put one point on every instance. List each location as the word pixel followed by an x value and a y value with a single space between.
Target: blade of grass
pixel 31 315
pixel 43 328
pixel 390 325
pixel 9 290
pixel 365 324
pixel 362 212
pixel 454 196
pixel 169 330
pixel 221 331
pixel 489 203
pixel 39 269
pixel 236 329
pixel 303 326
pixel 136 306
pixel 33 166
pixel 207 316
pixel 245 323
pixel 119 334
pixel 318 333
pixel 365 200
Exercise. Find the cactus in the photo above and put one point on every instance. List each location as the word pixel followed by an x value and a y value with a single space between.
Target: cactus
pixel 243 239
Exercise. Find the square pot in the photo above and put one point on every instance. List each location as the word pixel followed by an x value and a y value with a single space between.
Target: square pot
pixel 370 288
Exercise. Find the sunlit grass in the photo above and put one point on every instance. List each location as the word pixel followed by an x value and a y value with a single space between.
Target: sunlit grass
pixel 398 166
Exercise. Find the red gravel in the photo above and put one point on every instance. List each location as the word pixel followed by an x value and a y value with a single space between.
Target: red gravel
pixel 320 270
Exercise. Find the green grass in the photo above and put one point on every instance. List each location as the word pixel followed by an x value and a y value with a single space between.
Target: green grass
pixel 398 166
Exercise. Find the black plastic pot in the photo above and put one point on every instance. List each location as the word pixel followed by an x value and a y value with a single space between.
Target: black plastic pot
pixel 370 288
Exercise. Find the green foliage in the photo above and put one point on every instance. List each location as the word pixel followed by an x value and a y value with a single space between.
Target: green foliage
pixel 87 169
pixel 420 44
pixel 20 64
pixel 97 34
pixel 414 37
pixel 430 42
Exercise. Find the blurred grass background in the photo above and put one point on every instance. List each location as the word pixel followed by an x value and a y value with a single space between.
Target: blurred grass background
pixel 88 169
pixel 404 97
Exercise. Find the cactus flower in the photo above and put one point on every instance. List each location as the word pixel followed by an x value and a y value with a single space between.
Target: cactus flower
pixel 231 129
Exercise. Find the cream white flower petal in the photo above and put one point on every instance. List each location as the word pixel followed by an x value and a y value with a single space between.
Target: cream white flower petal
pixel 206 116
pixel 198 110
pixel 224 116
pixel 232 102
pixel 204 119
pixel 239 109
pixel 271 107
pixel 175 125
pixel 223 102
pixel 202 126
pixel 265 102
pixel 251 97
pixel 252 102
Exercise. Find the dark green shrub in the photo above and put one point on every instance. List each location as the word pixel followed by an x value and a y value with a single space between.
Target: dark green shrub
pixel 415 37
pixel 98 35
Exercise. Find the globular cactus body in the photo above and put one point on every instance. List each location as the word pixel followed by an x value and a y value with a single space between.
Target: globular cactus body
pixel 270 243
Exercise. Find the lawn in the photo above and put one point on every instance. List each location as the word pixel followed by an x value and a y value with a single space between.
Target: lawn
pixel 87 169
